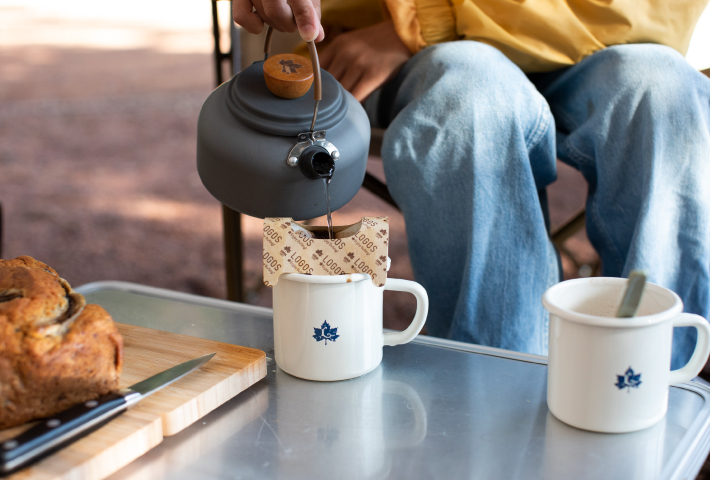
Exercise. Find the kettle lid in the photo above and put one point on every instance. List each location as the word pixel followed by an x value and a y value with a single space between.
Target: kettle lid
pixel 251 102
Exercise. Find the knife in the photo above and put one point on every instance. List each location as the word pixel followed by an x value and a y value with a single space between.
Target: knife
pixel 67 426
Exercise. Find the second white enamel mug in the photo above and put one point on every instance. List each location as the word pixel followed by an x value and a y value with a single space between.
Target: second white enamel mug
pixel 609 374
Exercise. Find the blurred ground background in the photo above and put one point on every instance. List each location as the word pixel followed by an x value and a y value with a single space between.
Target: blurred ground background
pixel 98 112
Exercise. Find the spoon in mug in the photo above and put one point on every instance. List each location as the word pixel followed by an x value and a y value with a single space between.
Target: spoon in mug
pixel 632 295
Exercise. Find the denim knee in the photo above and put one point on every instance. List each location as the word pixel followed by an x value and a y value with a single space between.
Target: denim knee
pixel 655 76
pixel 654 99
pixel 644 65
pixel 474 61
pixel 466 78
pixel 466 89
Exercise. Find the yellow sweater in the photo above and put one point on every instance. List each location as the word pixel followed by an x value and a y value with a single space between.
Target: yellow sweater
pixel 537 35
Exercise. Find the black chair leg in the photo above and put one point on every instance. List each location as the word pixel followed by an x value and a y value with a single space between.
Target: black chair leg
pixel 233 253
pixel 378 188
pixel 231 220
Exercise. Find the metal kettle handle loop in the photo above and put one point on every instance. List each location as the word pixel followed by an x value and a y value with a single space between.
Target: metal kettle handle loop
pixel 317 90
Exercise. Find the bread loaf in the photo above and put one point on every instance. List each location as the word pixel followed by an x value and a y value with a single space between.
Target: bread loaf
pixel 55 351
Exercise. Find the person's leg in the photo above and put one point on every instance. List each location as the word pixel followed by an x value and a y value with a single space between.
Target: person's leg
pixel 469 142
pixel 635 119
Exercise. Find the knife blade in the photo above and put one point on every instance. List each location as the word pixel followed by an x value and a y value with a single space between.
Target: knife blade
pixel 69 425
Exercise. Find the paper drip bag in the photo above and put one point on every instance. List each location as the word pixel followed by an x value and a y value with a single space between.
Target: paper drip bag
pixel 290 247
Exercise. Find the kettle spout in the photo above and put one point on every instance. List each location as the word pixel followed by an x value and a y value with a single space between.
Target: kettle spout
pixel 315 162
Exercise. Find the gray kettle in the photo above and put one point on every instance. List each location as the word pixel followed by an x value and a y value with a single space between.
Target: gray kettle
pixel 266 156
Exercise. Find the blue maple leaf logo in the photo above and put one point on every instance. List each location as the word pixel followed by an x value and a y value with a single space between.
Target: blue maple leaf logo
pixel 628 380
pixel 325 333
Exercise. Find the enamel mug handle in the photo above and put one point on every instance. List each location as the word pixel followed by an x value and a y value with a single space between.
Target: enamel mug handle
pixel 415 327
pixel 701 352
pixel 415 404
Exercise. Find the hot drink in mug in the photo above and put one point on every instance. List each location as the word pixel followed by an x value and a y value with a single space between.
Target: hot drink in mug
pixel 610 374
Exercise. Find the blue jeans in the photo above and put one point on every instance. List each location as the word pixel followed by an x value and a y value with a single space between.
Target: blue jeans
pixel 470 142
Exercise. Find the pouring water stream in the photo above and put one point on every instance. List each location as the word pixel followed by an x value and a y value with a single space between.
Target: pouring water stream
pixel 326 183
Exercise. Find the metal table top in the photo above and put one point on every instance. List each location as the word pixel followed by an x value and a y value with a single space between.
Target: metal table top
pixel 433 409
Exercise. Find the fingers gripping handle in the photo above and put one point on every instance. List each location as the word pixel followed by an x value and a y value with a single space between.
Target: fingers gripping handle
pixel 415 327
pixel 701 352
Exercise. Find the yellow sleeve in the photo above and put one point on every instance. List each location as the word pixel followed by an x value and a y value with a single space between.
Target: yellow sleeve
pixel 420 23
pixel 542 35
pixel 344 15
pixel 339 16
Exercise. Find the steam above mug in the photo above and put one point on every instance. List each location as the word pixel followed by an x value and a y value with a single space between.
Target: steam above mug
pixel 250 144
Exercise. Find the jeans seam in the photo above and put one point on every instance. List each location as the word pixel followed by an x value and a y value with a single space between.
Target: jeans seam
pixel 578 156
pixel 544 340
pixel 573 151
pixel 543 122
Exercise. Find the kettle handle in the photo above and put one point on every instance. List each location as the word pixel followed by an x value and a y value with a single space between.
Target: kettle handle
pixel 317 91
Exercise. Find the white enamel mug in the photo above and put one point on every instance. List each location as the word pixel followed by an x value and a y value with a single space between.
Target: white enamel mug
pixel 609 374
pixel 329 327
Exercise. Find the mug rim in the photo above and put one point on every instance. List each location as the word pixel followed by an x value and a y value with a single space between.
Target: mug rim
pixel 597 320
pixel 327 279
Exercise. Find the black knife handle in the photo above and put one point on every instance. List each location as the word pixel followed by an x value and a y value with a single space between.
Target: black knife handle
pixel 58 430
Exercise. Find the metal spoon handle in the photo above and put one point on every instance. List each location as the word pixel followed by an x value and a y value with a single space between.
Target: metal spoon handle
pixel 632 296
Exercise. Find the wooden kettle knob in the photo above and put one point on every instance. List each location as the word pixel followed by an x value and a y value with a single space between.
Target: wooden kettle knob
pixel 288 75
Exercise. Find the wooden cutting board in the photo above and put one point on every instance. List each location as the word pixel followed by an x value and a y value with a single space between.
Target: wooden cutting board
pixel 147 352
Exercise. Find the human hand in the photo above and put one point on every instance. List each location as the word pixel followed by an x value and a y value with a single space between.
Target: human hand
pixel 282 15
pixel 365 59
